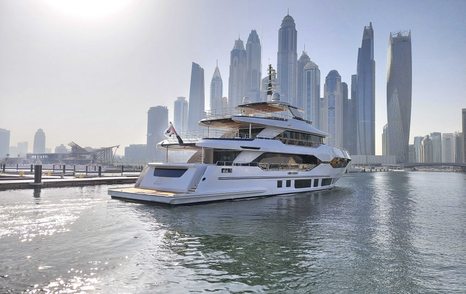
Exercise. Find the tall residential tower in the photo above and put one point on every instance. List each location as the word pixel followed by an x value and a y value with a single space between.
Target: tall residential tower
pixel 311 93
pixel 333 97
pixel 39 142
pixel 287 60
pixel 302 61
pixel 399 85
pixel 237 79
pixel 196 110
pixel 157 122
pixel 365 98
pixel 253 67
pixel 180 115
pixel 216 92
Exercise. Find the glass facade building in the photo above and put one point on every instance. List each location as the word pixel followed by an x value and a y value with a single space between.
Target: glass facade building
pixel 399 86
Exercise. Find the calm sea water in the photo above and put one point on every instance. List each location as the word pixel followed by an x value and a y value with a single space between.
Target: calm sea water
pixel 375 232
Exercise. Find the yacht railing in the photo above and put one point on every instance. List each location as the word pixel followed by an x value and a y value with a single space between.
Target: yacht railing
pixel 228 112
pixel 193 137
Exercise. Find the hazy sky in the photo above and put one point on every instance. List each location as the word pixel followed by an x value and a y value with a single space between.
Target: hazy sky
pixel 88 70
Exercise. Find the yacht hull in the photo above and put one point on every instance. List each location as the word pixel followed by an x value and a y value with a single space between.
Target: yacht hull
pixel 129 194
pixel 202 183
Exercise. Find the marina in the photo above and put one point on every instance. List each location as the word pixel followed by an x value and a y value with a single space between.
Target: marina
pixel 374 232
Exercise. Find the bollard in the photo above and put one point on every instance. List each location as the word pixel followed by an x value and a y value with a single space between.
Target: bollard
pixel 100 171
pixel 37 174
pixel 32 168
pixel 64 169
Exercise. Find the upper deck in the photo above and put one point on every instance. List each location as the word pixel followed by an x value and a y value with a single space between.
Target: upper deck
pixel 262 114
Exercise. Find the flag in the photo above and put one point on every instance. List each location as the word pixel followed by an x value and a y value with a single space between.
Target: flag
pixel 170 131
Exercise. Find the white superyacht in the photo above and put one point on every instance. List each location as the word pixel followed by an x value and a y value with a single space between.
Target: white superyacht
pixel 266 149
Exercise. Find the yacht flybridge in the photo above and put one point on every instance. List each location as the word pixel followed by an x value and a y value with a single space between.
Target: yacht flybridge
pixel 266 149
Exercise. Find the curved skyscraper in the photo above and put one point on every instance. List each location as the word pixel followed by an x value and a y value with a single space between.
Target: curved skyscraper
pixel 237 79
pixel 216 93
pixel 287 60
pixel 399 85
pixel 253 64
pixel 365 95
pixel 196 109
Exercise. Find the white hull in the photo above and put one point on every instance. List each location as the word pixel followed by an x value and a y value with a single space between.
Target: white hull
pixel 241 183
pixel 268 149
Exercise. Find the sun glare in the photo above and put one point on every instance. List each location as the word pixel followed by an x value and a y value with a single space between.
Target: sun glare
pixel 88 9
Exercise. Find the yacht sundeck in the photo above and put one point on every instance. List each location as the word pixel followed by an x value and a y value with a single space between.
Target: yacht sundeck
pixel 266 149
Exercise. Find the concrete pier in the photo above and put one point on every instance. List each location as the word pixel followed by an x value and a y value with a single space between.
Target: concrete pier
pixel 69 182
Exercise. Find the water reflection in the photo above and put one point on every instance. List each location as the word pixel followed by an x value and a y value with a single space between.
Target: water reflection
pixel 273 244
pixel 36 194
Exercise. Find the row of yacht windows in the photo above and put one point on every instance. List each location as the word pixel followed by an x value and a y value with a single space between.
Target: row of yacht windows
pixel 268 161
pixel 304 183
pixel 300 139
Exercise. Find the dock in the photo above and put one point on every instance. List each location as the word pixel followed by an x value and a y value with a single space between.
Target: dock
pixel 65 182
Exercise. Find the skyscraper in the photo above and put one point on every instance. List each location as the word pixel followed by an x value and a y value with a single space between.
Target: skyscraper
pixel 349 122
pixel 426 150
pixel 4 143
pixel 237 79
pixel 180 115
pixel 323 114
pixel 417 148
pixel 287 60
pixel 334 101
pixel 399 94
pixel 196 109
pixel 216 93
pixel 464 133
pixel 157 122
pixel 384 140
pixel 365 98
pixel 459 149
pixel 39 142
pixel 448 147
pixel 436 138
pixel 349 118
pixel 253 67
pixel 302 62
pixel 311 93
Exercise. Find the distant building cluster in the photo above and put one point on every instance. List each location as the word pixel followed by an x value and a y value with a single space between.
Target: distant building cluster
pixel 435 147
pixel 76 154
pixel 345 111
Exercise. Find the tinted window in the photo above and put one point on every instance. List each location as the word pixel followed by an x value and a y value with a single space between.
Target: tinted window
pixel 169 172
pixel 326 182
pixel 302 183
pixel 288 183
pixel 316 182
pixel 279 184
